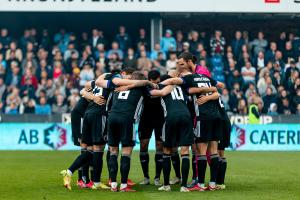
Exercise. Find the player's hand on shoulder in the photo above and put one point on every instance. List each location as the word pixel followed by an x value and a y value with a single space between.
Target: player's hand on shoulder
pixel 202 100
pixel 154 85
pixel 214 89
pixel 100 100
pixel 82 91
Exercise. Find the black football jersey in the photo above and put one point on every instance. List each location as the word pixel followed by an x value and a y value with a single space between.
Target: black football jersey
pixel 81 105
pixel 153 110
pixel 129 103
pixel 175 103
pixel 209 110
pixel 223 113
pixel 98 91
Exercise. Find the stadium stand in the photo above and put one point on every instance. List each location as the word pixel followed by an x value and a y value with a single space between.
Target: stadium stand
pixel 43 73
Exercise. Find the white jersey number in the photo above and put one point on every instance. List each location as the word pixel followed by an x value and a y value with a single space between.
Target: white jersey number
pixel 221 103
pixel 123 95
pixel 98 91
pixel 177 94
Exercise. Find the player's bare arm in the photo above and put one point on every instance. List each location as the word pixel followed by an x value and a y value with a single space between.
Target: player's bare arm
pixel 163 92
pixel 202 90
pixel 140 83
pixel 88 86
pixel 220 85
pixel 172 81
pixel 122 82
pixel 90 97
pixel 203 99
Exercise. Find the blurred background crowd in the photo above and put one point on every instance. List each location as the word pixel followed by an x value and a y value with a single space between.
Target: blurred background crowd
pixel 43 73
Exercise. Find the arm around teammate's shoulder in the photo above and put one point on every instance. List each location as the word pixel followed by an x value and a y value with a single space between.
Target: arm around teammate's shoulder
pixel 173 81
pixel 203 90
pixel 100 82
pixel 203 99
pixel 163 92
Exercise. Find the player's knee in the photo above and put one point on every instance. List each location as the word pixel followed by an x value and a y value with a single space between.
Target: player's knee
pixel 90 148
pixel 113 150
pixel 167 150
pixel 127 150
pixel 221 153
pixel 213 147
pixel 98 147
pixel 83 145
pixel 184 150
pixel 144 146
pixel 202 148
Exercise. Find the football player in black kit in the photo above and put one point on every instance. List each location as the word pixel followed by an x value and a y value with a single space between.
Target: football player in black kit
pixel 124 113
pixel 226 130
pixel 76 119
pixel 178 129
pixel 207 115
pixel 93 138
pixel 152 119
pixel 223 143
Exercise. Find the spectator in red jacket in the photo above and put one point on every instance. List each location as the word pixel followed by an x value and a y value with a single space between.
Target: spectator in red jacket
pixel 28 75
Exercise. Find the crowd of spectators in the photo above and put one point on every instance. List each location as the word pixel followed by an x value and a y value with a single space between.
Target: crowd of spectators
pixel 43 73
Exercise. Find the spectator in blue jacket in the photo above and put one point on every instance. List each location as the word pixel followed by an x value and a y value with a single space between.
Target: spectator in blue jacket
pixel 168 42
pixel 43 108
pixel 115 49
pixel 237 44
pixel 157 49
pixel 123 39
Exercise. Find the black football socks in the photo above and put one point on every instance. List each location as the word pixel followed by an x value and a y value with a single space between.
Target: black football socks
pixel 144 159
pixel 166 168
pixel 125 168
pixel 158 164
pixel 185 167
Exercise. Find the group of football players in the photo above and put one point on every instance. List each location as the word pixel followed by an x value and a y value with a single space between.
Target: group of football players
pixel 183 109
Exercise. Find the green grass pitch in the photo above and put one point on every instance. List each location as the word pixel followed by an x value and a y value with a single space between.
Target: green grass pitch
pixel 251 175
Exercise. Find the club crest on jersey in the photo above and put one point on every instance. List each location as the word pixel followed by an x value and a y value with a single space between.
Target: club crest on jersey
pixel 238 137
pixel 55 136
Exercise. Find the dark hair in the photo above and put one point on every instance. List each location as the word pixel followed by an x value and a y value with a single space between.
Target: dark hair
pixel 137 75
pixel 108 76
pixel 285 98
pixel 165 77
pixel 160 53
pixel 128 70
pixel 153 75
pixel 115 71
pixel 186 56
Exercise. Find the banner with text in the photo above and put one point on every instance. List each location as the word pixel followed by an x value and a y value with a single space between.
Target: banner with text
pixel 227 6
pixel 41 136
pixel 272 137
pixel 45 136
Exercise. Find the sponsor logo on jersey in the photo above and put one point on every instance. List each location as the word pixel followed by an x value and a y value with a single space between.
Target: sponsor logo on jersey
pixel 201 79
